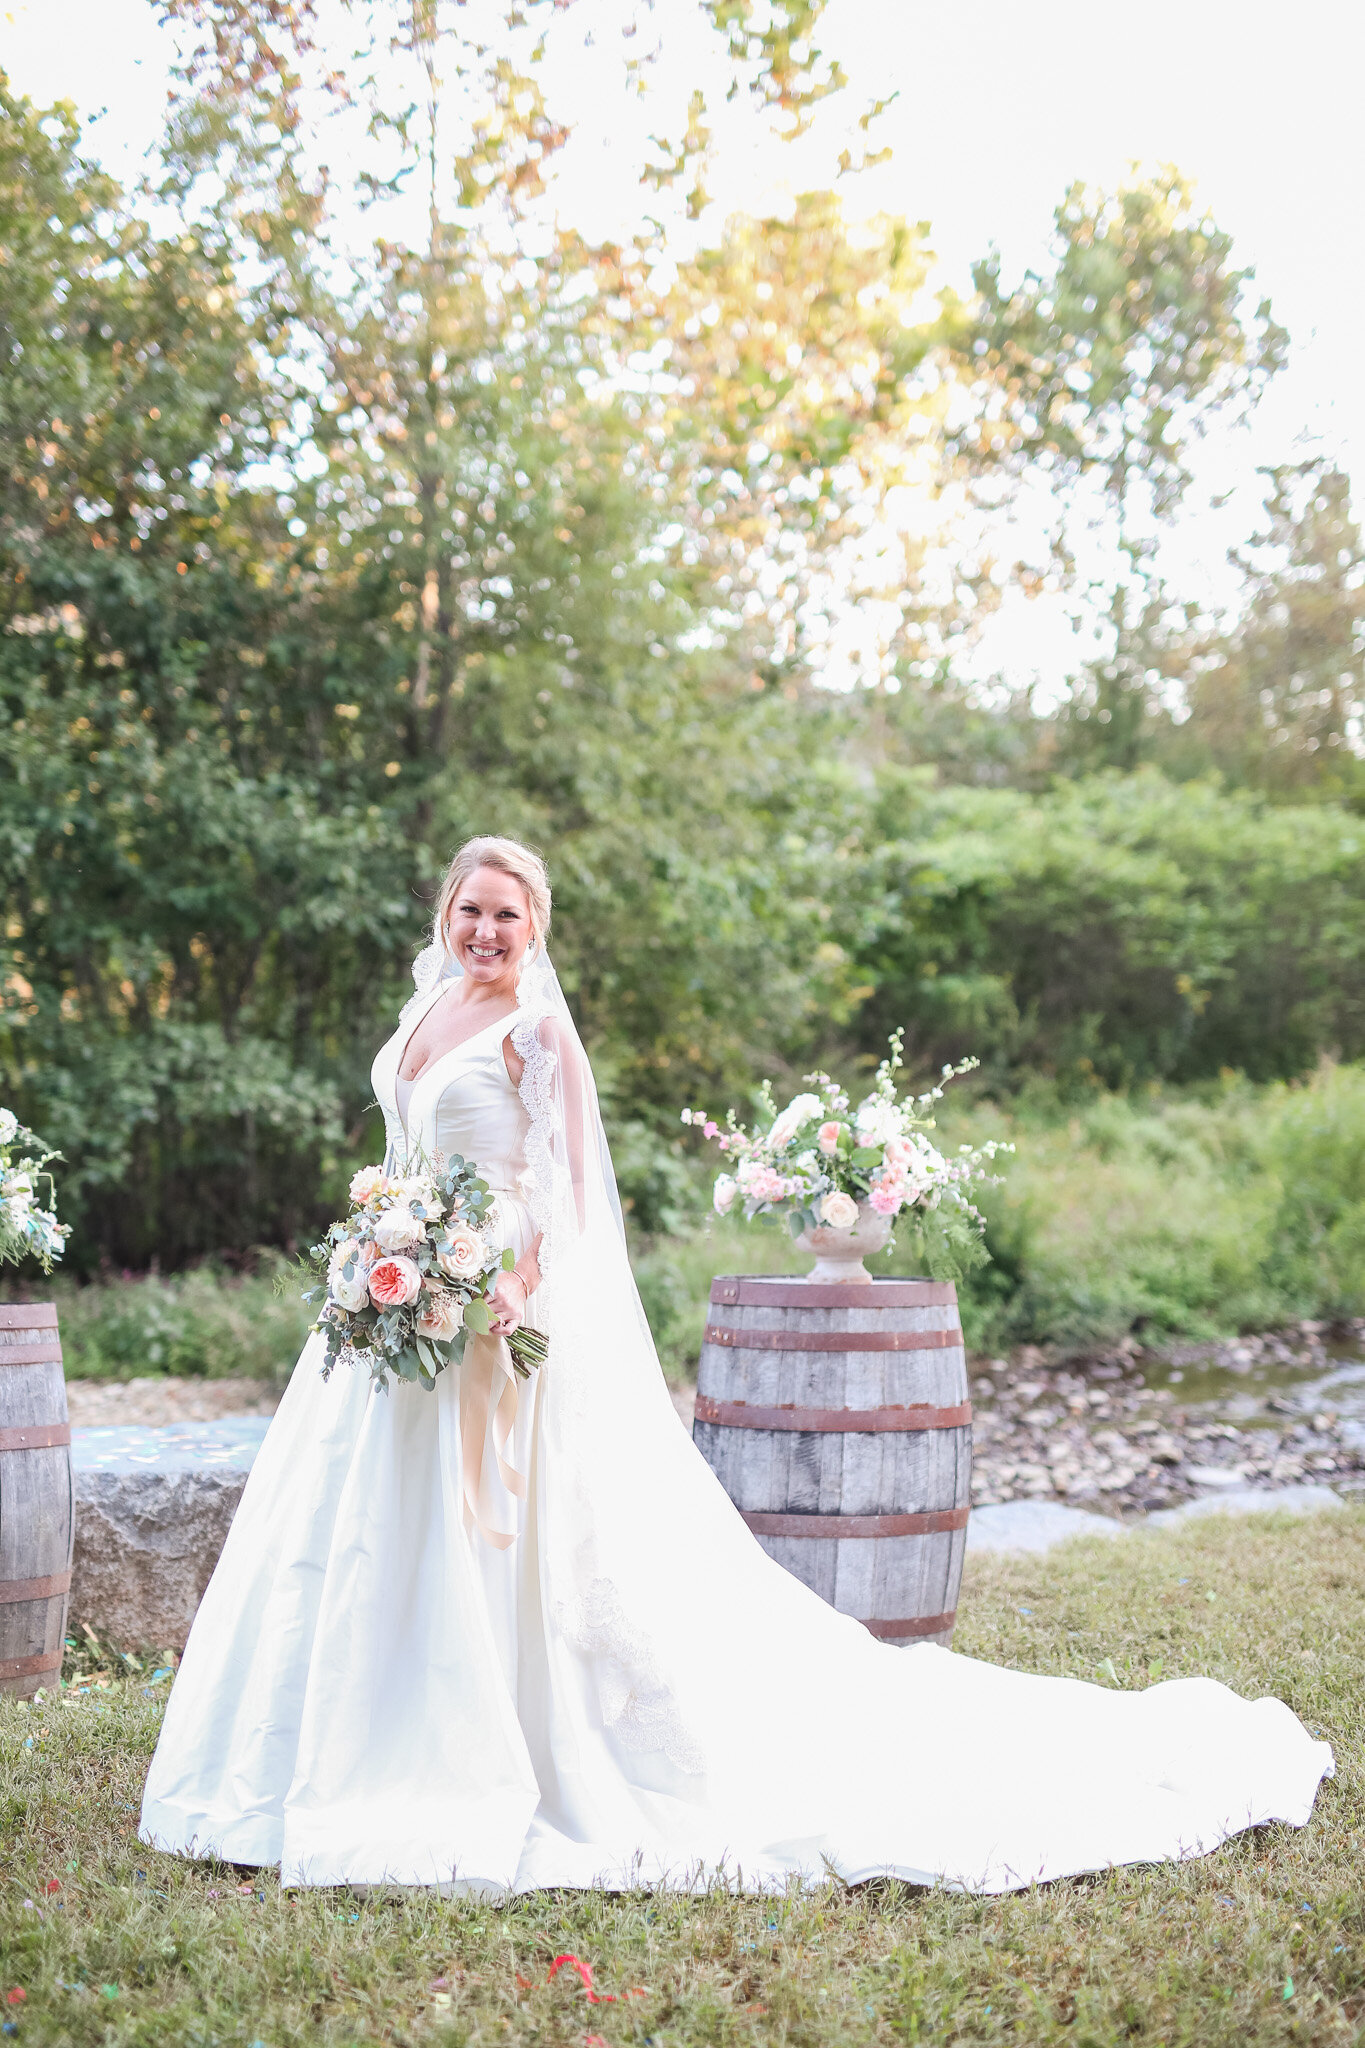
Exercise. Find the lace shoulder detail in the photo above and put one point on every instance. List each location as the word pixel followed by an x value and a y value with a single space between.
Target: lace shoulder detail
pixel 539 1065
pixel 426 972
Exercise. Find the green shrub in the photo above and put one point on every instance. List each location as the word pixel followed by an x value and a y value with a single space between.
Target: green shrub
pixel 203 1324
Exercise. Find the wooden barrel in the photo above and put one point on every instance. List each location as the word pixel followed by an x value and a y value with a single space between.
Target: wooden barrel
pixel 836 1418
pixel 36 1506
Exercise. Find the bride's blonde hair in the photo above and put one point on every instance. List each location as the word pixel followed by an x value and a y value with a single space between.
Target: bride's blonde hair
pixel 511 858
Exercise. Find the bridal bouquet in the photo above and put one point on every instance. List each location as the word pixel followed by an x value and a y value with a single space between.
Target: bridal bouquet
pixel 405 1274
pixel 825 1164
pixel 25 1225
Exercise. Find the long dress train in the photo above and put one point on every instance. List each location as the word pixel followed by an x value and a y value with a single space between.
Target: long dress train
pixel 632 1692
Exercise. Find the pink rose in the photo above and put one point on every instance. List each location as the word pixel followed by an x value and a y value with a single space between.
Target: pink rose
pixel 828 1137
pixel 394 1283
pixel 899 1151
pixel 886 1197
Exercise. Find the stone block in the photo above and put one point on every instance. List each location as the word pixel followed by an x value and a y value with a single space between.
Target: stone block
pixel 153 1508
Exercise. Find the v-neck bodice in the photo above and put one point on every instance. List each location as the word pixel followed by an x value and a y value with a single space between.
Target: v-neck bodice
pixel 464 1101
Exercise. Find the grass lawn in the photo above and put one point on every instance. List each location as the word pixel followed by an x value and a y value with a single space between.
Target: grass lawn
pixel 1264 1942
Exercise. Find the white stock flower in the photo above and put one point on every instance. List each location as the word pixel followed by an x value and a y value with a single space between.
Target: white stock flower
pixel 799 1110
pixel 878 1120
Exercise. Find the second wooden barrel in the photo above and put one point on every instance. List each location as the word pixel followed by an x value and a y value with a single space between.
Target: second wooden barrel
pixel 837 1420
pixel 36 1506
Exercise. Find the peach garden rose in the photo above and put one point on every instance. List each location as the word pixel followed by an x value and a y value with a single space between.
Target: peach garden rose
pixel 394 1282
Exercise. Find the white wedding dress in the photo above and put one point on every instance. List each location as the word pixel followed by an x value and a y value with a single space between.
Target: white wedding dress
pixel 631 1692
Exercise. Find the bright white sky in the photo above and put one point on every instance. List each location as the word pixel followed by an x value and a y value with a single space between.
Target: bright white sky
pixel 1000 107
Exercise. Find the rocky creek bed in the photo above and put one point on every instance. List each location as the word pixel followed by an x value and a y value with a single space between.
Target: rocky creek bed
pixel 1132 1430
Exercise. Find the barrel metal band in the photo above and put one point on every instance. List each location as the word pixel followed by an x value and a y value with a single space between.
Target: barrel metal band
pixel 730 1339
pixel 41 1666
pixel 33 1315
pixel 35 1436
pixel 754 1291
pixel 45 1351
pixel 748 1415
pixel 12 1590
pixel 934 1522
pixel 919 1625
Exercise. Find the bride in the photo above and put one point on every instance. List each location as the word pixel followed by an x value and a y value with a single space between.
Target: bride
pixel 576 1666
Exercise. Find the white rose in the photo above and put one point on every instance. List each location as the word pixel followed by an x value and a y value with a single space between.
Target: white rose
pixel 419 1188
pixel 9 1126
pixel 723 1195
pixel 463 1254
pixel 349 1294
pixel 839 1210
pixel 397 1228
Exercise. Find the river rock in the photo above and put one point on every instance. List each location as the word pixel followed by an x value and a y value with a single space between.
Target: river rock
pixel 153 1508
pixel 1033 1525
pixel 1250 1500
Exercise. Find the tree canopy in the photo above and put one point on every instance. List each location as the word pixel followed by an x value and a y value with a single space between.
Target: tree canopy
pixel 319 553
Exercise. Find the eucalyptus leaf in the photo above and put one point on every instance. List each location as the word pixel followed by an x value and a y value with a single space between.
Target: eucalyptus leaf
pixel 476 1316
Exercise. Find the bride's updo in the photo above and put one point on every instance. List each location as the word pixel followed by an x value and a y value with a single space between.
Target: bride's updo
pixel 511 858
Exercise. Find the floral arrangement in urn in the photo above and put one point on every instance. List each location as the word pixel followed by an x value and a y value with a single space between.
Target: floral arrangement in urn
pixel 26 1227
pixel 842 1175
pixel 405 1274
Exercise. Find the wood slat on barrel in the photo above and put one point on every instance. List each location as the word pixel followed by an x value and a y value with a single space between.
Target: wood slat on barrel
pixel 36 1506
pixel 837 1420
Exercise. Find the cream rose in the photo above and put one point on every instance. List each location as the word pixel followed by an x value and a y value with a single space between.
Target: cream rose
pixel 442 1315
pixel 394 1283
pixel 397 1228
pixel 462 1255
pixel 369 1182
pixel 839 1210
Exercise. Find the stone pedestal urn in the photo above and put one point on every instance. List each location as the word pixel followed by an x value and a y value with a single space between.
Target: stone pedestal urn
pixel 839 1254
pixel 835 1415
pixel 36 1515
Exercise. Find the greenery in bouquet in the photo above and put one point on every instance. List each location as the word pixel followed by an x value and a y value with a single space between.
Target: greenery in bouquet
pixel 27 1229
pixel 405 1274
pixel 822 1163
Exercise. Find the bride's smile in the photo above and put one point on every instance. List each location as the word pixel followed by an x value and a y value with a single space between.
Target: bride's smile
pixel 488 928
